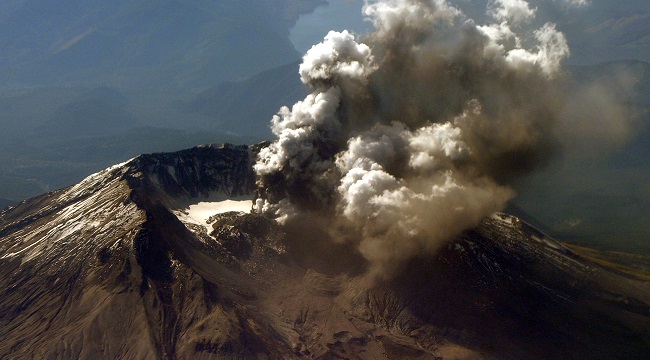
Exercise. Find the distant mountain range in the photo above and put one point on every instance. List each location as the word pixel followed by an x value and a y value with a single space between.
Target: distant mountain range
pixel 247 106
pixel 143 43
pixel 76 131
pixel 86 83
pixel 606 31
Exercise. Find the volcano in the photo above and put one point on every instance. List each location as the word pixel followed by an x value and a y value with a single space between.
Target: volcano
pixel 161 258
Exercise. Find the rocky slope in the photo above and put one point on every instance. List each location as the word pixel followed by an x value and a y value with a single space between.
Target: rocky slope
pixel 118 267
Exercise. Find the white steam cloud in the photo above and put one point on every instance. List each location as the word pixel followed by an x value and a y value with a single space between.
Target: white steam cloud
pixel 412 134
pixel 516 11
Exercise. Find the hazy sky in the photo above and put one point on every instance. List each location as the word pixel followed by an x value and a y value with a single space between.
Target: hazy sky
pixel 338 15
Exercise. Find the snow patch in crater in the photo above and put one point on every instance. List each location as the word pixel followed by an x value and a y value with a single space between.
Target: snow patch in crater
pixel 199 213
pixel 204 210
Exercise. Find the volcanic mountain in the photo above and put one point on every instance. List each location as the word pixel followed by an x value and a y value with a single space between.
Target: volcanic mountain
pixel 160 258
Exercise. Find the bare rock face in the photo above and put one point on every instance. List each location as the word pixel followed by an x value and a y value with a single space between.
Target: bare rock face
pixel 113 268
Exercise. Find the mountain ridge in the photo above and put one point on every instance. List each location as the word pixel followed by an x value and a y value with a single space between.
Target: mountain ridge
pixel 91 265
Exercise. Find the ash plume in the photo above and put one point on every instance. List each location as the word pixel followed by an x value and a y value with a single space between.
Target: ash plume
pixel 412 133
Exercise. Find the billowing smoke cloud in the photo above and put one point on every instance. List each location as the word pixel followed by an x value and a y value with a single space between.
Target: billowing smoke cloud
pixel 413 133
